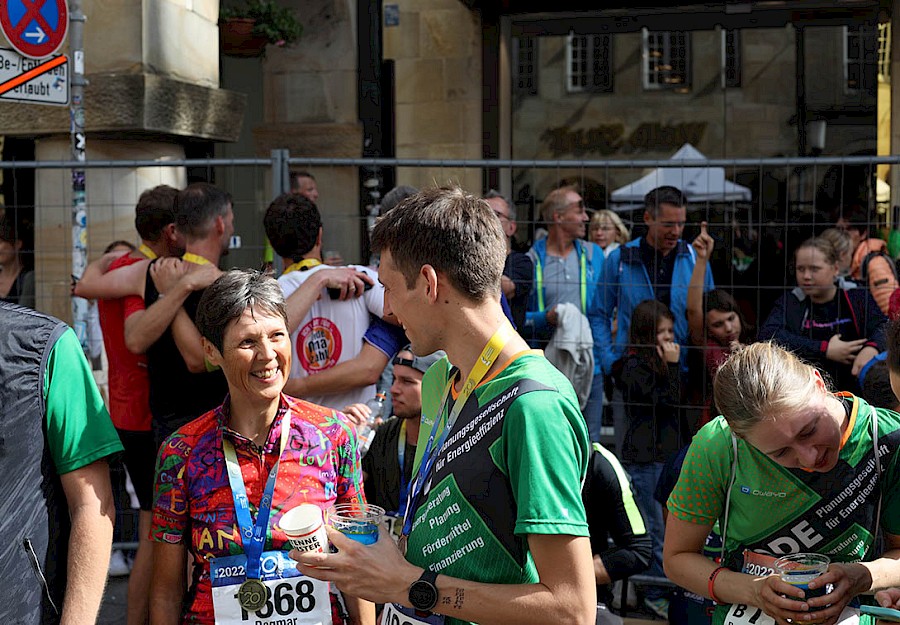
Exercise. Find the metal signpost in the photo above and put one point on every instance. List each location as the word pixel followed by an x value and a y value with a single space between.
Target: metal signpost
pixel 36 29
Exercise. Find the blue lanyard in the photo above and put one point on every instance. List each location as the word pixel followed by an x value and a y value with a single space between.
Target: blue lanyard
pixel 401 459
pixel 253 535
pixel 489 354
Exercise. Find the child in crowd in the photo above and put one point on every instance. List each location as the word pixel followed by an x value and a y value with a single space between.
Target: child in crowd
pixel 608 231
pixel 836 328
pixel 843 248
pixel 649 378
pixel 875 381
pixel 715 322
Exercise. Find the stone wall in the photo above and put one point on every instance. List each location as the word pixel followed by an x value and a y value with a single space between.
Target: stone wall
pixel 309 105
pixel 111 197
pixel 436 49
pixel 753 120
pixel 153 71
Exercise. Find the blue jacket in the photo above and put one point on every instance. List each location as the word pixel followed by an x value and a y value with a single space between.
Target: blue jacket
pixel 590 256
pixel 625 283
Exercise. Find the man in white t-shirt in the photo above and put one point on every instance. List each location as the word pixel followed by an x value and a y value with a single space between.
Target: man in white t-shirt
pixel 332 330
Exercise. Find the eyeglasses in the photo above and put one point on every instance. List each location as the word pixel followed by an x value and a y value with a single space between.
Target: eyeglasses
pixel 501 215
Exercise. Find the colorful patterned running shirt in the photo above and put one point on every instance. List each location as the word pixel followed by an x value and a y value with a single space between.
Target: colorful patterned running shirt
pixel 512 465
pixel 194 505
pixel 775 511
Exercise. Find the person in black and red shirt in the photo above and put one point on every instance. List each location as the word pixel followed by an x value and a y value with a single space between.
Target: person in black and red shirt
pixel 838 330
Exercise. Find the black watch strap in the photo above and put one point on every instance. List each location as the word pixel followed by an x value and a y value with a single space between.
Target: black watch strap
pixel 423 593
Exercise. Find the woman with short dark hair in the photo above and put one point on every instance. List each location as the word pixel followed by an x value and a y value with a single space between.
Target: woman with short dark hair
pixel 224 480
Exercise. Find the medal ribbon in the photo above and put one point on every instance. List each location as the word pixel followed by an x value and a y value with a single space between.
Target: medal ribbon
pixel 146 251
pixel 253 535
pixel 302 265
pixel 196 259
pixel 401 459
pixel 485 361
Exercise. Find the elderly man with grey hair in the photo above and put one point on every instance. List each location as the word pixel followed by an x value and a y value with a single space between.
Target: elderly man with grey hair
pixel 518 271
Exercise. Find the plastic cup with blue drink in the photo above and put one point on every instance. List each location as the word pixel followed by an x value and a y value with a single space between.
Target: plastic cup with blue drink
pixel 799 569
pixel 358 521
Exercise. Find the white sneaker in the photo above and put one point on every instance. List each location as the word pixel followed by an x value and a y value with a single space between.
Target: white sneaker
pixel 118 564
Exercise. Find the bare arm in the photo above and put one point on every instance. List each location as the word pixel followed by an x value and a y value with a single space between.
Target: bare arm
pixel 601 575
pixel 349 281
pixel 566 592
pixel 361 612
pixel 90 501
pixel 785 603
pixel 703 247
pixel 187 339
pixel 175 281
pixel 363 370
pixel 97 282
pixel 143 328
pixel 167 583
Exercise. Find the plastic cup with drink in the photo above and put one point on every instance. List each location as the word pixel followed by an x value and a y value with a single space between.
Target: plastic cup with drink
pixel 799 569
pixel 358 521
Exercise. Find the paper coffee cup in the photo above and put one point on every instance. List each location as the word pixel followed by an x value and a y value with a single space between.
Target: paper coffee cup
pixel 304 528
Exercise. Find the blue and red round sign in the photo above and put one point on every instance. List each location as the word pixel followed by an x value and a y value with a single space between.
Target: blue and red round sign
pixel 35 28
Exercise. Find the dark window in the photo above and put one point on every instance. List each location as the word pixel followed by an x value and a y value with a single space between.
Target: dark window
pixel 525 65
pixel 589 64
pixel 667 60
pixel 860 58
pixel 731 58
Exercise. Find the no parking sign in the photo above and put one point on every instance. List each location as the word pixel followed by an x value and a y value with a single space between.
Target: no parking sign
pixel 35 28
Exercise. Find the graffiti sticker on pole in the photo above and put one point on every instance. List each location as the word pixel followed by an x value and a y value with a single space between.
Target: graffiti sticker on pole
pixel 35 28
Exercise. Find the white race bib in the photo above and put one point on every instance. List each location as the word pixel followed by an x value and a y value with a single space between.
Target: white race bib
pixel 291 595
pixel 740 614
pixel 394 614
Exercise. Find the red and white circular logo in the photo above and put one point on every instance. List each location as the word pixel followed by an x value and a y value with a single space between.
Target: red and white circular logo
pixel 319 345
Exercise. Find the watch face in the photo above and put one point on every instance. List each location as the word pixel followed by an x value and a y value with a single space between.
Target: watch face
pixel 423 595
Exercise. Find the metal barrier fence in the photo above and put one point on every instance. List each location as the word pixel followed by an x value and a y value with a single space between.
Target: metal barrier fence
pixel 758 219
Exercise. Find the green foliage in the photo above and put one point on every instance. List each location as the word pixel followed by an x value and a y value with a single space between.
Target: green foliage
pixel 278 24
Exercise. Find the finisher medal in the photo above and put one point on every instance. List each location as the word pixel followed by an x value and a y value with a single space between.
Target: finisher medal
pixel 252 595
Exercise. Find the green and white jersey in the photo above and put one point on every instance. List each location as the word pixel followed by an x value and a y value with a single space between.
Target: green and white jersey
pixel 512 465
pixel 777 511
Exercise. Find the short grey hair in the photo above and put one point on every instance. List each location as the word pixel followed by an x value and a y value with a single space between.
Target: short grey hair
pixel 227 298
pixel 512 207
pixel 394 197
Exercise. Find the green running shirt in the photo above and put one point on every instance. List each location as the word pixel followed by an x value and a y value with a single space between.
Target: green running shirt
pixel 512 465
pixel 776 511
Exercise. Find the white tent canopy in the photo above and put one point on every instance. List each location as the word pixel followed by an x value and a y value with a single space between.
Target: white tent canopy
pixel 699 184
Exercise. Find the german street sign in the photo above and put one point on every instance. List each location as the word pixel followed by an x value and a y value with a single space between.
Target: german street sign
pixel 34 28
pixel 29 80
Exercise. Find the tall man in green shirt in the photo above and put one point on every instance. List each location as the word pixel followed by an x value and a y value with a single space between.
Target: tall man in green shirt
pixel 495 529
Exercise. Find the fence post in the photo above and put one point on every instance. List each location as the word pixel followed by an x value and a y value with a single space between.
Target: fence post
pixel 281 183
pixel 80 311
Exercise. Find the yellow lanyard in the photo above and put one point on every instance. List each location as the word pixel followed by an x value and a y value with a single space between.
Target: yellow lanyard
pixel 485 361
pixel 146 251
pixel 306 263
pixel 195 258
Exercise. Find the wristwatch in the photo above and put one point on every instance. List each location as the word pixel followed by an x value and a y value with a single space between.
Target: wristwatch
pixel 423 593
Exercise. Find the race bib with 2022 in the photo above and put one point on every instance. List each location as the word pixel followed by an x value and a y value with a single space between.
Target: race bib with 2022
pixel 398 615
pixel 291 596
pixel 740 614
